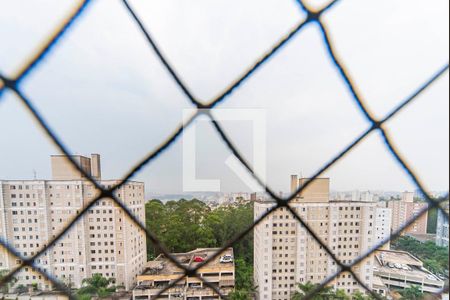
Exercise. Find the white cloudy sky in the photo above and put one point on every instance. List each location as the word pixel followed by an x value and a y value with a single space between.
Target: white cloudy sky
pixel 104 91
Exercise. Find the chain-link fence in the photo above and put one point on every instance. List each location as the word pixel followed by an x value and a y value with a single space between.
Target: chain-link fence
pixel 314 17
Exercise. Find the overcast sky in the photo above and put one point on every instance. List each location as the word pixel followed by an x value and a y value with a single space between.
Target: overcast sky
pixel 104 91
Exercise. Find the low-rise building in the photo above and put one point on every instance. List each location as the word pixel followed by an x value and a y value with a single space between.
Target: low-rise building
pixel 397 270
pixel 161 272
pixel 34 295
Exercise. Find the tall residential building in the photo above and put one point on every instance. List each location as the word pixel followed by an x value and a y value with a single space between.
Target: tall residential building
pixel 104 241
pixel 442 229
pixel 406 209
pixel 285 254
pixel 408 197
pixel 383 224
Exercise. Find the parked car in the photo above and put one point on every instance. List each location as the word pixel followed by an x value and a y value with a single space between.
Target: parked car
pixel 226 259
pixel 405 267
pixel 199 259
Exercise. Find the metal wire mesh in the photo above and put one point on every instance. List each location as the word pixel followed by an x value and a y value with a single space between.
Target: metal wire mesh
pixel 314 18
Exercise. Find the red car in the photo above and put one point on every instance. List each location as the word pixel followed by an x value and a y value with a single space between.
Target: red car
pixel 198 259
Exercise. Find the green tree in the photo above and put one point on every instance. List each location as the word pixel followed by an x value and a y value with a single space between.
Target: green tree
pixel 360 296
pixel 179 225
pixel 84 297
pixel 340 295
pixel 21 289
pixel 97 285
pixel 154 216
pixel 329 293
pixel 325 293
pixel 240 295
pixel 7 286
pixel 412 293
pixel 185 225
pixel 433 265
pixel 227 223
pixel 244 275
pixel 35 286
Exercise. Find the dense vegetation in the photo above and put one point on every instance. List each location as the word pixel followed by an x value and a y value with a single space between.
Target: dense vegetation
pixel 412 293
pixel 185 225
pixel 434 258
pixel 97 286
pixel 5 288
pixel 326 293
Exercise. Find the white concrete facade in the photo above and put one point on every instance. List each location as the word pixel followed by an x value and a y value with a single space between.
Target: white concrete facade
pixel 383 224
pixel 442 230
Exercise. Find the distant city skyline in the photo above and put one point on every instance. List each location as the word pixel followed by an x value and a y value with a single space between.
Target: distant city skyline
pixel 179 194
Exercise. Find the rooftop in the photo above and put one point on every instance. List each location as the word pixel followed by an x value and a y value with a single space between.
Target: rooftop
pixel 402 264
pixel 162 266
pixel 401 257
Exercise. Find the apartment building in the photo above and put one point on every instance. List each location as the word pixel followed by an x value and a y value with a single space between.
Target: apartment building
pixel 406 209
pixel 159 273
pixel 285 254
pixel 383 224
pixel 442 229
pixel 104 241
